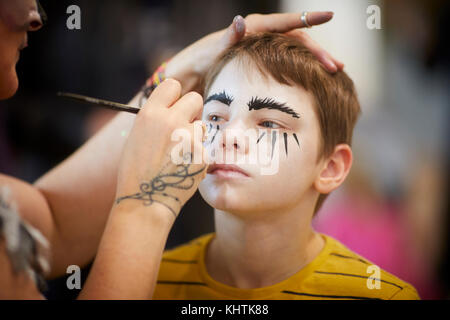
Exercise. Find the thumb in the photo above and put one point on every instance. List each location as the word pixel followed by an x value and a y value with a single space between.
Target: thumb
pixel 235 31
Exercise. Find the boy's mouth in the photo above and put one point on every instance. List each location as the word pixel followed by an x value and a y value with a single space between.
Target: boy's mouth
pixel 227 171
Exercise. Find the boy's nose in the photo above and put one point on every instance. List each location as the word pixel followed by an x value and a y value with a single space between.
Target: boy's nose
pixel 35 21
pixel 234 145
pixel 234 139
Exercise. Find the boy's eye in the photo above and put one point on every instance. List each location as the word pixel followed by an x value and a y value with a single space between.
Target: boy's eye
pixel 214 118
pixel 270 124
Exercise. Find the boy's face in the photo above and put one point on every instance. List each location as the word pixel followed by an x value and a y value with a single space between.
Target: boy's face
pixel 242 98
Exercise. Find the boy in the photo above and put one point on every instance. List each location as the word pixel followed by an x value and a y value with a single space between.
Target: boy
pixel 264 246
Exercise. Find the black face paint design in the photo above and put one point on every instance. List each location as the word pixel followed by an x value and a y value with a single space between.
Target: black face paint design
pixel 217 130
pixel 221 97
pixel 257 141
pixel 269 103
pixel 256 103
pixel 285 143
pixel 295 137
pixel 274 139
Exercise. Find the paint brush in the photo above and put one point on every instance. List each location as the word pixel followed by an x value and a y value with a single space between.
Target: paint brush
pixel 99 102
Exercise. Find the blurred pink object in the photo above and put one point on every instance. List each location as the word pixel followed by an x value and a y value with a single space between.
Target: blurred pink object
pixel 376 232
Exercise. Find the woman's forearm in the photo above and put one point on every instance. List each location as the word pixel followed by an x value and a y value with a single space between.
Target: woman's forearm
pixel 79 193
pixel 126 266
pixel 127 263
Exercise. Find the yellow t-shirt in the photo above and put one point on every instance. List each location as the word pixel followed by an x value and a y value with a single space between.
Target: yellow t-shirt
pixel 336 273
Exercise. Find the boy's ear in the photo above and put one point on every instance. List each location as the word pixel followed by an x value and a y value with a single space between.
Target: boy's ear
pixel 335 169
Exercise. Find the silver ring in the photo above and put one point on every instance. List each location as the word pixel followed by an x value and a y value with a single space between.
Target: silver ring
pixel 304 19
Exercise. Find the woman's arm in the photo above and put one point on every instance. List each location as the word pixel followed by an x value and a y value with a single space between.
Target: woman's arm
pixel 129 255
pixel 151 190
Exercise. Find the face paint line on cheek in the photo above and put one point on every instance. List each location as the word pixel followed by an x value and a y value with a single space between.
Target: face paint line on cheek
pixel 274 139
pixel 295 137
pixel 262 135
pixel 285 143
pixel 217 130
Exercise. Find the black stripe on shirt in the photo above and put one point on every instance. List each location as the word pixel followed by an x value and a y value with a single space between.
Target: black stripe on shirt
pixel 179 261
pixel 328 296
pixel 182 282
pixel 357 276
pixel 348 257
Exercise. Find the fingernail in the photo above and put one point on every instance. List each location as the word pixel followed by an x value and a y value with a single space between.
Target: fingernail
pixel 239 23
pixel 330 65
pixel 327 15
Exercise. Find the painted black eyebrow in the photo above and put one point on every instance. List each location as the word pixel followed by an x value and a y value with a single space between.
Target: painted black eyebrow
pixel 221 97
pixel 269 103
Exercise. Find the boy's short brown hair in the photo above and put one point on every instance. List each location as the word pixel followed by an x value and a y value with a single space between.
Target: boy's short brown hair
pixel 289 62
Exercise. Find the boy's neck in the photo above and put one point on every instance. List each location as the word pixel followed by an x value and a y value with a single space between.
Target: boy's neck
pixel 253 254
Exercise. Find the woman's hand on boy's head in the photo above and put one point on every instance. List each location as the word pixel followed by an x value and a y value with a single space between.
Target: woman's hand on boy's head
pixel 190 65
pixel 290 24
pixel 330 63
pixel 284 22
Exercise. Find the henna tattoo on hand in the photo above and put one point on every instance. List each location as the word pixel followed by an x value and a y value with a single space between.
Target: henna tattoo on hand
pixel 180 179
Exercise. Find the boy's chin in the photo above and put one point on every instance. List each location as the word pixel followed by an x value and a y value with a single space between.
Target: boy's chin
pixel 223 203
pixel 228 200
pixel 9 84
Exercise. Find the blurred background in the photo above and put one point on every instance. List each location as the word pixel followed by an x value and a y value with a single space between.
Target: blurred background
pixel 393 209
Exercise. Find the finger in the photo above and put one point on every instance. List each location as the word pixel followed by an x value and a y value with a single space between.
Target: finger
pixel 199 151
pixel 190 106
pixel 340 65
pixel 284 22
pixel 198 131
pixel 323 56
pixel 198 122
pixel 164 95
pixel 235 31
pixel 318 17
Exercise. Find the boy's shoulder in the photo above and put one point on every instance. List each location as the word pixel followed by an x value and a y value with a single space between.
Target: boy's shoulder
pixel 182 263
pixel 189 250
pixel 337 272
pixel 342 268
